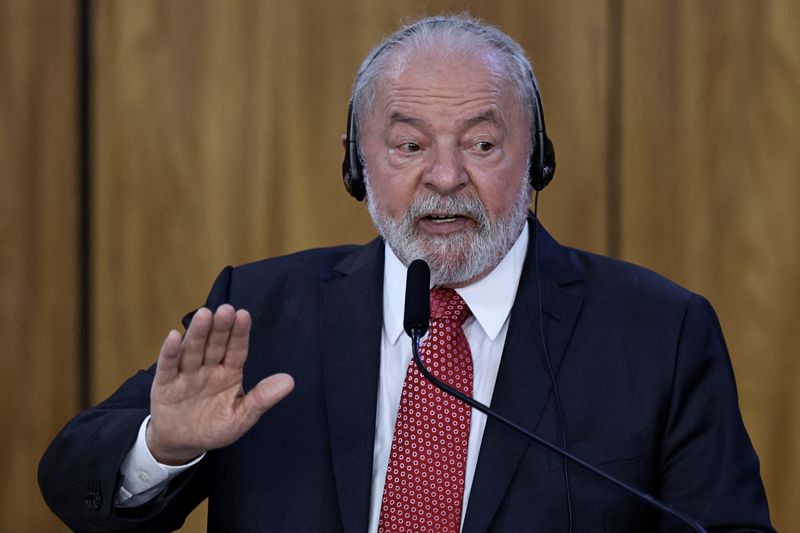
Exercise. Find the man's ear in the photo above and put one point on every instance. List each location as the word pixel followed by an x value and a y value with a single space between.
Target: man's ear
pixel 344 141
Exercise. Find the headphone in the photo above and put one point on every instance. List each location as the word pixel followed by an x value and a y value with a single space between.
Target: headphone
pixel 541 170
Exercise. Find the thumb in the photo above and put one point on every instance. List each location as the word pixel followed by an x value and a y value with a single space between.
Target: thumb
pixel 267 393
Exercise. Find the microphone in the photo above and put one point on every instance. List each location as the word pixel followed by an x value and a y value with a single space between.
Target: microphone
pixel 416 321
pixel 417 313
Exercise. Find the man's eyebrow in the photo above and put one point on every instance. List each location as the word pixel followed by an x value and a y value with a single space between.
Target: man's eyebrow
pixel 486 116
pixel 405 119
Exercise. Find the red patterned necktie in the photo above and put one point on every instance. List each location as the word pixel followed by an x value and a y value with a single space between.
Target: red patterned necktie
pixel 424 487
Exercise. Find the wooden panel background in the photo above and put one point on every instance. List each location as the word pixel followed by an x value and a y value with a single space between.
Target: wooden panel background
pixel 711 189
pixel 38 248
pixel 216 141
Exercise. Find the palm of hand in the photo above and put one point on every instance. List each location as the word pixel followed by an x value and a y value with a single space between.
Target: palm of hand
pixel 197 401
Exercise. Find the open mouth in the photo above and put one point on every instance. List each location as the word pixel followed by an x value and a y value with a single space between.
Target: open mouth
pixel 442 219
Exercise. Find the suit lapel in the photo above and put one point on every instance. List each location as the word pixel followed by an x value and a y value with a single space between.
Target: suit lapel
pixel 351 314
pixel 523 383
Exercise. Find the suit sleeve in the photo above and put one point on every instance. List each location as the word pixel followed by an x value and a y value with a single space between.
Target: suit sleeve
pixel 708 467
pixel 79 474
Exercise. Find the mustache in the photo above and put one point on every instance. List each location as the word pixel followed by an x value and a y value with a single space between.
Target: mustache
pixel 435 204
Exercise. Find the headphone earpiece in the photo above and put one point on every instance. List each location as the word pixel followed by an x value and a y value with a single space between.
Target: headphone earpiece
pixel 352 173
pixel 543 155
pixel 541 170
pixel 543 162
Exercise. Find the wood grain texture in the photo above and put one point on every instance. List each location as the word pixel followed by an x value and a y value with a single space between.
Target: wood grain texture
pixel 216 141
pixel 711 186
pixel 38 248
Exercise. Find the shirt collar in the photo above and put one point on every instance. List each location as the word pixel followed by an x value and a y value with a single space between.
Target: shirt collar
pixel 490 299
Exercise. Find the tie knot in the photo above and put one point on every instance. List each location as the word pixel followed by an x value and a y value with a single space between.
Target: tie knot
pixel 447 304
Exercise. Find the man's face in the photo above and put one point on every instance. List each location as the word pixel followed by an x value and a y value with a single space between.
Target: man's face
pixel 446 149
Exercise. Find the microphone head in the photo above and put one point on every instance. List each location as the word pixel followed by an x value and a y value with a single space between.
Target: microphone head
pixel 418 298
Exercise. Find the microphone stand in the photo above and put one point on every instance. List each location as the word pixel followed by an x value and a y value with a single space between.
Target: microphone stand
pixel 416 336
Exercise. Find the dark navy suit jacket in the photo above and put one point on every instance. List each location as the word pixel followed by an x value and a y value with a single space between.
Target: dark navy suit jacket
pixel 643 373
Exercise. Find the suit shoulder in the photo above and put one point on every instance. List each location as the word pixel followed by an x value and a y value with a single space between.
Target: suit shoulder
pixel 640 305
pixel 316 263
pixel 629 282
pixel 296 277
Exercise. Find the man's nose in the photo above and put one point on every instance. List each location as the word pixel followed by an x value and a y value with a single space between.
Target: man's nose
pixel 446 173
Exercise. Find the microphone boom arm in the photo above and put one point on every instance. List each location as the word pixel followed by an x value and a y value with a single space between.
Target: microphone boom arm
pixel 416 336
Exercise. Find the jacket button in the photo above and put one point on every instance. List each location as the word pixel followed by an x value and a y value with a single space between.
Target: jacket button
pixel 93 498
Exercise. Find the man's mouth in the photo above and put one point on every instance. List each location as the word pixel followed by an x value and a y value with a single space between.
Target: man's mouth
pixel 441 219
pixel 444 223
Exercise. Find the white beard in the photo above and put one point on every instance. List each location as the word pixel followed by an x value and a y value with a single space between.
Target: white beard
pixel 460 257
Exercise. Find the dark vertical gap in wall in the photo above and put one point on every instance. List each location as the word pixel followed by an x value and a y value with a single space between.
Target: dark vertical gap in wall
pixel 614 133
pixel 85 194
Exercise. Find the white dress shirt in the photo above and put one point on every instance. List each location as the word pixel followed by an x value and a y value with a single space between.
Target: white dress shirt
pixel 490 301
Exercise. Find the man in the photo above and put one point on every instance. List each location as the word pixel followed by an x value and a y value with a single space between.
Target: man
pixel 446 121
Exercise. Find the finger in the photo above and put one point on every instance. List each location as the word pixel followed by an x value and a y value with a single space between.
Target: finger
pixel 220 333
pixel 194 342
pixel 239 341
pixel 167 364
pixel 267 393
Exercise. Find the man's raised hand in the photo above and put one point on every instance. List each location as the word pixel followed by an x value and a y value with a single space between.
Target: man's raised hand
pixel 197 402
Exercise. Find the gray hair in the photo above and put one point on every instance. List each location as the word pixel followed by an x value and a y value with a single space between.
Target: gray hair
pixel 446 33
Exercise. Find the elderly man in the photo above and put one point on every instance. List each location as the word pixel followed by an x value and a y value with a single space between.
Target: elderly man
pixel 446 140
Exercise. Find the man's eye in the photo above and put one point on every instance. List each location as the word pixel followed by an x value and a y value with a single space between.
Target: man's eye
pixel 410 147
pixel 484 146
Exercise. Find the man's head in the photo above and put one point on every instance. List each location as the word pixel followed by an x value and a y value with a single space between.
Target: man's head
pixel 444 115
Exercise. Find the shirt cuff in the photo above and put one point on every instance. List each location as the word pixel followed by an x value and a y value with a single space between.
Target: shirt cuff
pixel 143 477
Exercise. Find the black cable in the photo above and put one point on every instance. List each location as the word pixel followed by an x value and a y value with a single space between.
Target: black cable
pixel 545 353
